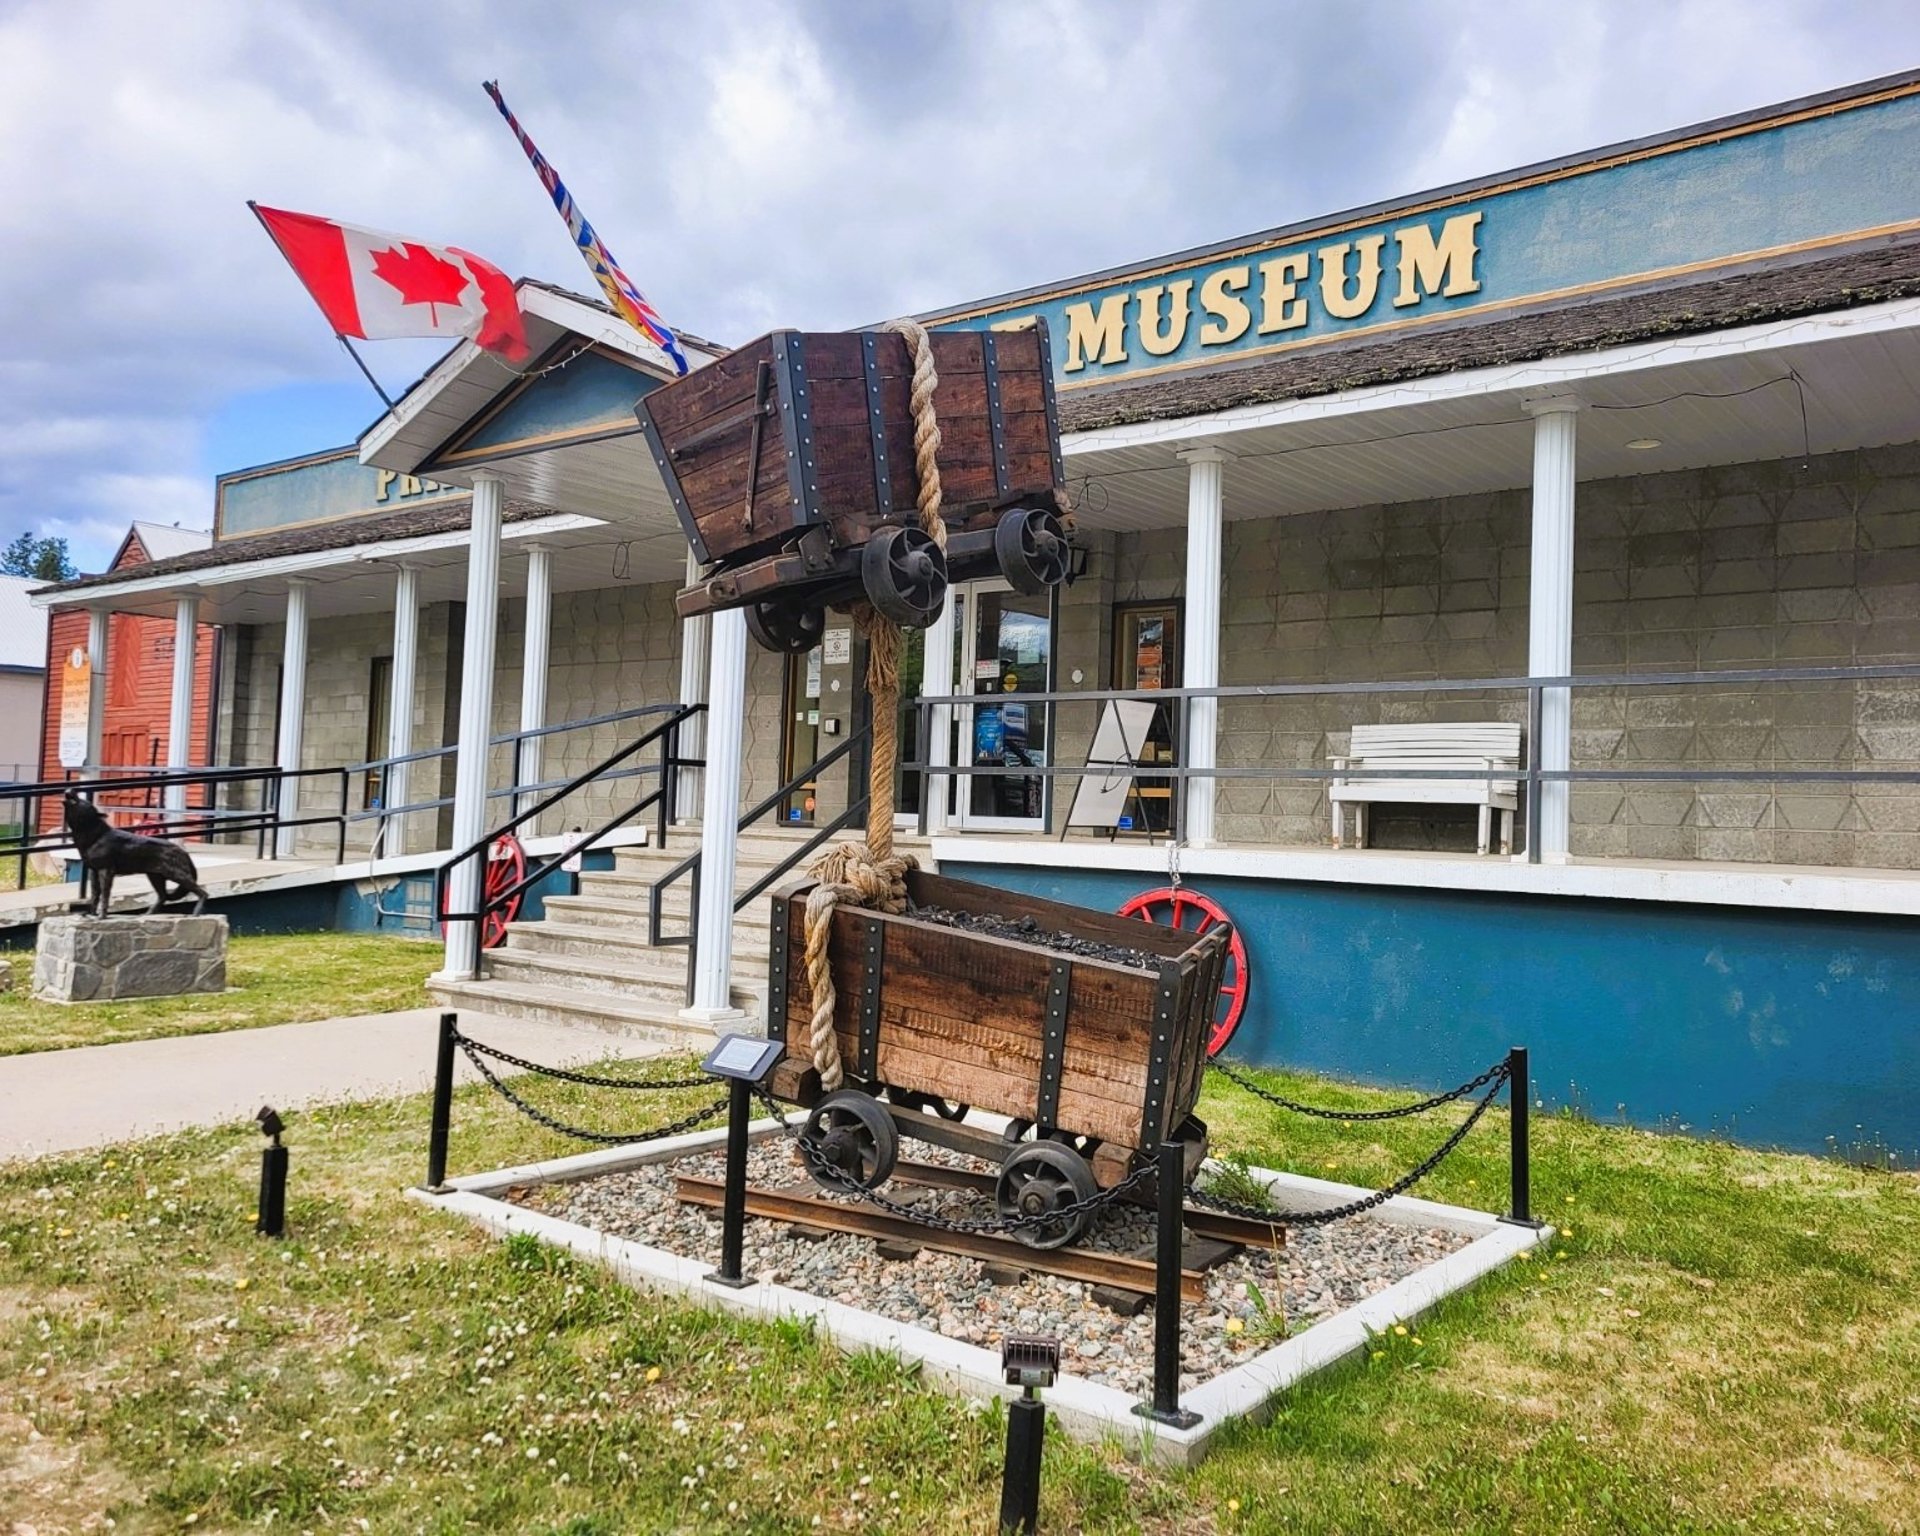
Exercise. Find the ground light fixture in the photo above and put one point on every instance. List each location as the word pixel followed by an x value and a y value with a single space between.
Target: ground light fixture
pixel 271 1219
pixel 744 1061
pixel 1029 1363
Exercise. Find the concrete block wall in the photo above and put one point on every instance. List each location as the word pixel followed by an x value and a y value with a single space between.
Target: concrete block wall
pixel 1785 563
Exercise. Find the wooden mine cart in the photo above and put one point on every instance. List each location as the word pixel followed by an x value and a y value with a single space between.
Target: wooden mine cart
pixel 1096 1061
pixel 791 465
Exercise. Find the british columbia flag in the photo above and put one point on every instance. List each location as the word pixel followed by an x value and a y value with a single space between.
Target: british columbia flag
pixel 628 302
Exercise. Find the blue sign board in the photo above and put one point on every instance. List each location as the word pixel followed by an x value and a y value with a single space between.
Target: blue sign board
pixel 1773 184
pixel 322 487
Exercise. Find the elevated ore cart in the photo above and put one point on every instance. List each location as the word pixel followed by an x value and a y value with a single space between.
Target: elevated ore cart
pixel 1097 1061
pixel 791 465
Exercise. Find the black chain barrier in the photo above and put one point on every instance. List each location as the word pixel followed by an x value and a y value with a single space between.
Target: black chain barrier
pixel 1497 1077
pixel 1356 1116
pixel 833 1173
pixel 699 1117
pixel 585 1079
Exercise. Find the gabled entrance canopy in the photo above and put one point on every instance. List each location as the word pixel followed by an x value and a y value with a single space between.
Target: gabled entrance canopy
pixel 560 433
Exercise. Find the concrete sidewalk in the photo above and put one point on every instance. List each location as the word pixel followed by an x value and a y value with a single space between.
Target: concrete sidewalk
pixel 95 1096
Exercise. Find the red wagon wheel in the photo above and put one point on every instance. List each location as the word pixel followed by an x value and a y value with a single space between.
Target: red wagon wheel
pixel 506 867
pixel 1176 906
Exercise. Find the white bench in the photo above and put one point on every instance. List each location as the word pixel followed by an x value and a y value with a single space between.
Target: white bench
pixel 1488 744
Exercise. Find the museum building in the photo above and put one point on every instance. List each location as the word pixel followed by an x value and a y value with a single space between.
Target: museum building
pixel 1618 453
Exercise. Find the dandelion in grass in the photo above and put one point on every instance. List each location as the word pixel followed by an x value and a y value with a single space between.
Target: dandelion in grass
pixel 1399 1330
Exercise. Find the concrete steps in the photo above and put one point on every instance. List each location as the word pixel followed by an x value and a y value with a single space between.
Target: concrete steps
pixel 588 964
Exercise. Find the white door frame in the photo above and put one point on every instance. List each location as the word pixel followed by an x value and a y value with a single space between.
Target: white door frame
pixel 966 638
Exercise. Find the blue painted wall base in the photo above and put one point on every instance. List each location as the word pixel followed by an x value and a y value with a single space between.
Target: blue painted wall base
pixel 1789 1029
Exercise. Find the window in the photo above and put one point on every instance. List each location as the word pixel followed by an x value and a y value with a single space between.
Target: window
pixel 379 715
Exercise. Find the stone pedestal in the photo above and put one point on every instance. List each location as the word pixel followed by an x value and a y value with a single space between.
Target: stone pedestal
pixel 85 959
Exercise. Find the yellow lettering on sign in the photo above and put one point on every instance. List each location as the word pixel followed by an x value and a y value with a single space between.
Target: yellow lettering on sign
pixel 1444 266
pixel 1349 296
pixel 409 486
pixel 1231 317
pixel 1018 323
pixel 382 479
pixel 1100 337
pixel 1158 338
pixel 1281 307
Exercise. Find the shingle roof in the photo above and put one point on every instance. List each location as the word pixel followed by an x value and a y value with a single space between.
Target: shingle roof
pixel 1869 275
pixel 411 523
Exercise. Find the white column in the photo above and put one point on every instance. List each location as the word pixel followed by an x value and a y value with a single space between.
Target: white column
pixel 476 718
pixel 533 669
pixel 1550 606
pixel 936 681
pixel 1200 747
pixel 293 709
pixel 695 634
pixel 186 615
pixel 99 622
pixel 400 683
pixel 713 921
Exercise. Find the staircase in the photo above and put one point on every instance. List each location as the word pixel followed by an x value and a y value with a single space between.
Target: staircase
pixel 588 963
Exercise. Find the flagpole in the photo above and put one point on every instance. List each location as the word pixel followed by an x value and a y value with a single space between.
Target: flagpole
pixel 362 364
pixel 359 362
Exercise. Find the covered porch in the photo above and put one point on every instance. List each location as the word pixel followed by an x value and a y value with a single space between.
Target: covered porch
pixel 1712 541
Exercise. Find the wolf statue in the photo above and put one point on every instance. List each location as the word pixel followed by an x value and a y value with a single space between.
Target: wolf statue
pixel 109 852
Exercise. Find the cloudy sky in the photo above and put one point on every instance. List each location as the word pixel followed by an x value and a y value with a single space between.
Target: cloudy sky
pixel 752 163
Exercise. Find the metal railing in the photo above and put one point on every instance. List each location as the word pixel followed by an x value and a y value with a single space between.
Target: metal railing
pixel 689 867
pixel 665 735
pixel 134 797
pixel 1179 701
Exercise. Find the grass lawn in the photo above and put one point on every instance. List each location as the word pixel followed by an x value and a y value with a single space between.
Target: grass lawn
pixel 1721 1341
pixel 278 979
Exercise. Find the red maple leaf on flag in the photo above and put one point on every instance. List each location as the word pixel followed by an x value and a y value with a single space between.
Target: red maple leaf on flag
pixel 420 277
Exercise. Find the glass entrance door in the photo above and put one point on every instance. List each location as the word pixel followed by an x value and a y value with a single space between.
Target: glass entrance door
pixel 1006 650
pixel 800 735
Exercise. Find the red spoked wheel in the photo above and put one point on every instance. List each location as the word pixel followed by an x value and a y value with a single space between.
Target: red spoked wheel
pixel 1175 906
pixel 506 867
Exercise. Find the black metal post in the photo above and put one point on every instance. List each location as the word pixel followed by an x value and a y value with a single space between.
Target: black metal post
pixel 1534 710
pixel 442 1125
pixel 346 799
pixel 272 1218
pixel 1020 1483
pixel 1519 1095
pixel 733 1213
pixel 1171 1179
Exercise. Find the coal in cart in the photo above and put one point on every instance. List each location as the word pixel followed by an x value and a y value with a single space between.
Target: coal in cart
pixel 791 464
pixel 1096 1061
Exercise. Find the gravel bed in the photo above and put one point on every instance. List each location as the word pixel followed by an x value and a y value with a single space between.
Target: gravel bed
pixel 1323 1270
pixel 1027 930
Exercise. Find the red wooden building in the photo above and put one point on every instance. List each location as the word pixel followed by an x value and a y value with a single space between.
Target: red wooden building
pixel 139 672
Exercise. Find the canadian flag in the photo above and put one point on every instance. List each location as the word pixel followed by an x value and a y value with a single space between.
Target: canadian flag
pixel 377 286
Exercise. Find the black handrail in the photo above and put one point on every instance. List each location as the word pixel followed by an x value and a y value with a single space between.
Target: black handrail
pixel 690 865
pixel 667 734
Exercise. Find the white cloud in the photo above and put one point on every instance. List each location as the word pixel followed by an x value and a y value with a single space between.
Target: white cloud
pixel 766 162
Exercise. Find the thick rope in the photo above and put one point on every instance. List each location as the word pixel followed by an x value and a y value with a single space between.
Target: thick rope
pixel 873 876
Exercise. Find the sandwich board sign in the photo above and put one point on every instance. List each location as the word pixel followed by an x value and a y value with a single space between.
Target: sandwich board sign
pixel 1101 797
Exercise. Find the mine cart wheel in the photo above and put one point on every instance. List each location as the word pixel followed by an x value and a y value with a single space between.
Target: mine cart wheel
pixel 907 1098
pixel 905 575
pixel 785 627
pixel 1031 548
pixel 1039 1177
pixel 856 1135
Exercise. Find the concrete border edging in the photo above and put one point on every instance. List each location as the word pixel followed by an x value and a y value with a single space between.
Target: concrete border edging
pixel 1085 1409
